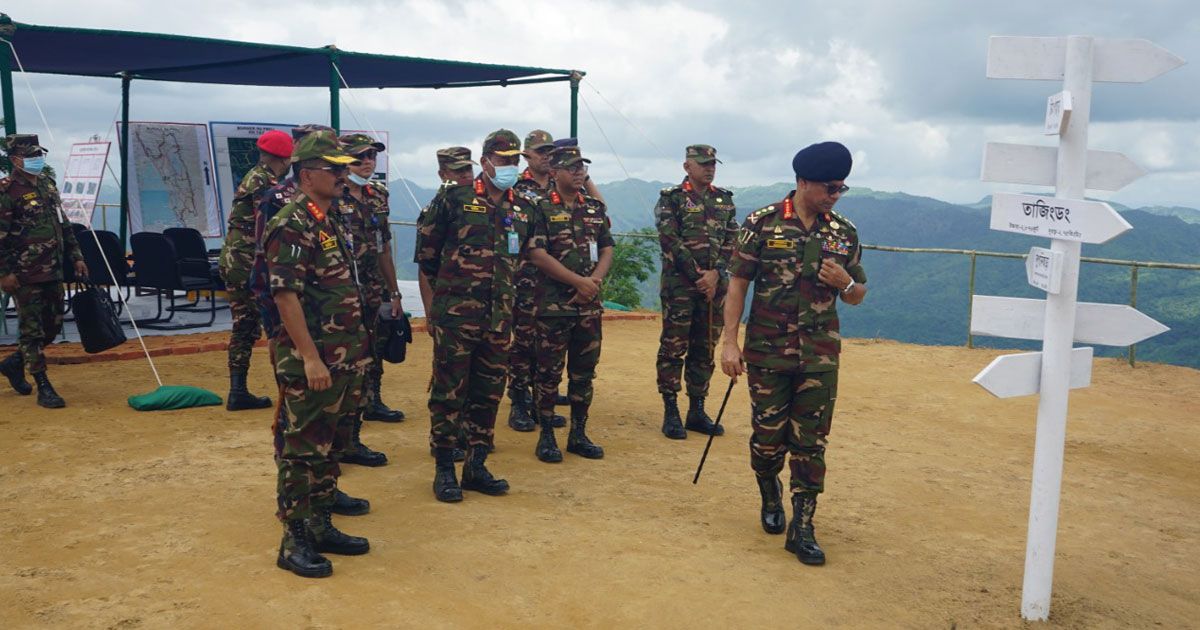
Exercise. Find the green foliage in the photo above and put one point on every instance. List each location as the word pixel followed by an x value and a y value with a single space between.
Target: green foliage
pixel 633 262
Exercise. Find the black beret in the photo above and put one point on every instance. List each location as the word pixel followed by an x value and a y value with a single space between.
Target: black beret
pixel 823 162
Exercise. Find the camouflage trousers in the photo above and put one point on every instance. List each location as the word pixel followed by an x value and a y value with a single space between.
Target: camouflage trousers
pixel 373 299
pixel 469 369
pixel 575 340
pixel 791 413
pixel 40 313
pixel 521 370
pixel 247 327
pixel 307 427
pixel 691 328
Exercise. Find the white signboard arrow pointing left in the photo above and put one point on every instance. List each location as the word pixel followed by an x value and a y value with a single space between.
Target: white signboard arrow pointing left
pixel 1020 374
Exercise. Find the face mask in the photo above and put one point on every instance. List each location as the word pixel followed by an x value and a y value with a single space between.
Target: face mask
pixel 505 177
pixel 358 181
pixel 34 165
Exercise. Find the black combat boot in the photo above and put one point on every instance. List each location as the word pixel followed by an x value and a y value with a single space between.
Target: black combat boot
pixel 240 398
pixel 347 505
pixel 376 410
pixel 359 453
pixel 547 447
pixel 457 454
pixel 698 420
pixel 577 440
pixel 445 483
pixel 329 539
pixel 672 425
pixel 519 418
pixel 46 395
pixel 13 368
pixel 561 400
pixel 296 553
pixel 801 539
pixel 774 519
pixel 476 476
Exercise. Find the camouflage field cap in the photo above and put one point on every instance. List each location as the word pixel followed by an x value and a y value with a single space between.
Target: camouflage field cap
pixel 538 139
pixel 23 144
pixel 454 158
pixel 304 130
pixel 566 156
pixel 702 154
pixel 322 145
pixel 502 142
pixel 355 143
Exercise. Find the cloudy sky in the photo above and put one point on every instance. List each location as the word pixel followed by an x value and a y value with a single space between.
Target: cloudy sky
pixel 901 83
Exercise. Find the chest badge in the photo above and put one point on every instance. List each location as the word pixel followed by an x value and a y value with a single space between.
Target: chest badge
pixel 470 207
pixel 780 243
pixel 328 241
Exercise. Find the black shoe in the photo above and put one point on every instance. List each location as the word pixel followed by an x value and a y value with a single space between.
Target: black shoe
pixel 477 477
pixel 561 400
pixel 445 483
pixel 698 420
pixel 801 539
pixel 519 418
pixel 547 447
pixel 672 425
pixel 240 398
pixel 558 421
pixel 359 453
pixel 456 454
pixel 13 368
pixel 577 440
pixel 46 396
pixel 376 410
pixel 296 553
pixel 347 505
pixel 329 539
pixel 774 519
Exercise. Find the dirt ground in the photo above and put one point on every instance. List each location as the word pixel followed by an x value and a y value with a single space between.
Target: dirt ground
pixel 116 519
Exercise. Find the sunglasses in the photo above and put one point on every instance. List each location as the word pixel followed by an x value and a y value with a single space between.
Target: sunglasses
pixel 575 169
pixel 832 189
pixel 370 154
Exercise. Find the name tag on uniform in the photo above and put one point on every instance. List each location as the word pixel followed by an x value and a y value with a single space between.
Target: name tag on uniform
pixel 514 243
pixel 594 251
pixel 328 241
pixel 28 196
pixel 467 207
pixel 780 243
pixel 559 218
pixel 593 220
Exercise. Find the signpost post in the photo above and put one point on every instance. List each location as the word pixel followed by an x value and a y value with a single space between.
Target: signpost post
pixel 1068 221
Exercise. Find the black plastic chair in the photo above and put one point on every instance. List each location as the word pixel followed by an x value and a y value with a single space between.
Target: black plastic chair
pixel 156 267
pixel 193 259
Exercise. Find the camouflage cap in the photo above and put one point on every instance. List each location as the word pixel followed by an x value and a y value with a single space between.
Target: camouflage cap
pixel 23 144
pixel 454 158
pixel 321 145
pixel 538 139
pixel 355 143
pixel 502 142
pixel 702 154
pixel 304 130
pixel 566 156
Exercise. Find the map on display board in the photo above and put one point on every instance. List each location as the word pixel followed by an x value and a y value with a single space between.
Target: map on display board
pixel 236 152
pixel 171 179
pixel 81 182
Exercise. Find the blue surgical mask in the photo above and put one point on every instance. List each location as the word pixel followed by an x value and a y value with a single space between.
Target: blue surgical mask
pixel 505 177
pixel 34 165
pixel 358 181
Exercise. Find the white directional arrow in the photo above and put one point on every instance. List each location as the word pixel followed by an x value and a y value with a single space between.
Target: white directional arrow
pixel 1044 58
pixel 1037 166
pixel 1024 318
pixel 1020 374
pixel 1063 219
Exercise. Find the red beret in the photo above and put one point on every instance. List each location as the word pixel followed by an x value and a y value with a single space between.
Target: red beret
pixel 276 143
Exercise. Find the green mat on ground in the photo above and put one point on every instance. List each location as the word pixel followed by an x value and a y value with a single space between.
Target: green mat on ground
pixel 613 306
pixel 174 397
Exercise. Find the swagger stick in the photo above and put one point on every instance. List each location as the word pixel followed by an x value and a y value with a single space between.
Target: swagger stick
pixel 707 446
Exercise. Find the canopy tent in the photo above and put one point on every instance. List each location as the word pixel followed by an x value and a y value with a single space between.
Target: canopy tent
pixel 131 55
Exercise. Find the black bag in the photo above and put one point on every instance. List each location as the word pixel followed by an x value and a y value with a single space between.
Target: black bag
pixel 97 321
pixel 392 335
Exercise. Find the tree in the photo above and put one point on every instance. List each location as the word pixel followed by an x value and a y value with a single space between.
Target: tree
pixel 633 262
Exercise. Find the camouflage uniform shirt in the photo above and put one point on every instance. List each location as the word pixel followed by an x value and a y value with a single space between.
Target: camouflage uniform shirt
pixel 34 233
pixel 567 235
pixel 793 324
pixel 306 252
pixel 237 257
pixel 367 228
pixel 695 231
pixel 528 188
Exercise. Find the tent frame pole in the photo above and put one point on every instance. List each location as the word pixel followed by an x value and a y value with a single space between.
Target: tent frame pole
pixel 335 86
pixel 126 79
pixel 575 77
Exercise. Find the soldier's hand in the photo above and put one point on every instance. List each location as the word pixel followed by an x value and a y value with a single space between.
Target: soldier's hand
pixel 81 270
pixel 731 360
pixel 586 289
pixel 317 375
pixel 833 275
pixel 396 306
pixel 9 283
pixel 708 282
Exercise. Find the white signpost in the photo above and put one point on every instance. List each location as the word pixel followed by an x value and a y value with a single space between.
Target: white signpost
pixel 1068 221
pixel 1037 166
pixel 1043 269
pixel 1058 113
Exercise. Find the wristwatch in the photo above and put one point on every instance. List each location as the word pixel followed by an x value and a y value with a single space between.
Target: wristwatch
pixel 849 287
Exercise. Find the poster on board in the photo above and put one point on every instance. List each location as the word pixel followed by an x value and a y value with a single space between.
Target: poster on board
pixel 80 185
pixel 171 179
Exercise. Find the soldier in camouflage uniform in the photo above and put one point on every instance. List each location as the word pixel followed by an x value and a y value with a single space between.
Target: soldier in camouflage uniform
pixel 280 195
pixel 801 256
pixel 471 241
pixel 35 237
pixel 237 258
pixel 320 354
pixel 572 249
pixel 696 226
